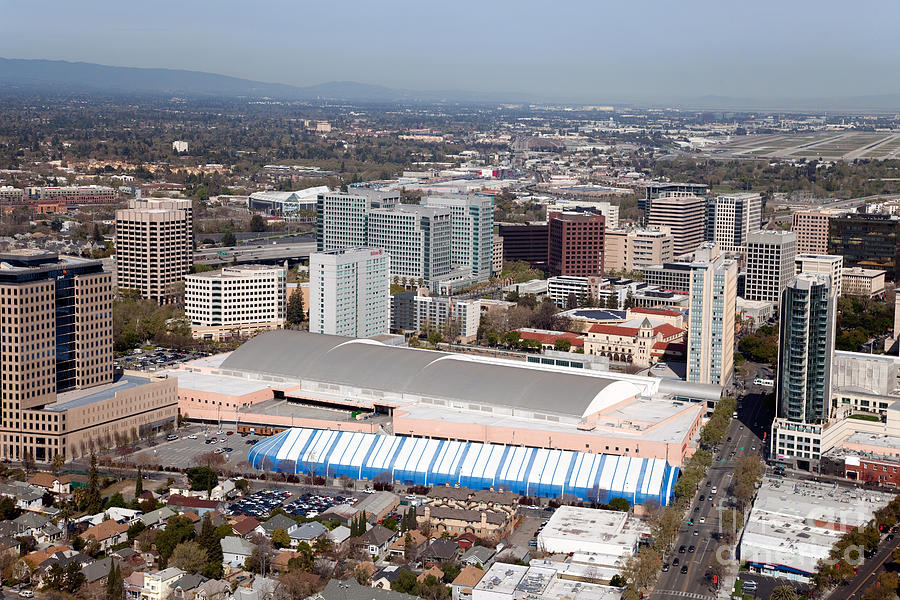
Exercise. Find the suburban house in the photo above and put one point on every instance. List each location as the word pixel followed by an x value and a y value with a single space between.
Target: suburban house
pixel 198 505
pixel 385 576
pixel 439 550
pixel 245 526
pixel 468 578
pixel 376 541
pixel 159 585
pixel 235 550
pixel 276 522
pixel 479 556
pixel 417 541
pixel 56 484
pixel 157 518
pixel 107 534
pixel 308 532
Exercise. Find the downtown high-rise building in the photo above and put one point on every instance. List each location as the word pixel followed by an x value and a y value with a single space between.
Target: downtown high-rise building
pixel 805 348
pixel 472 231
pixel 56 362
pixel 685 218
pixel 869 241
pixel 575 244
pixel 734 218
pixel 350 292
pixel 342 217
pixel 811 229
pixel 825 264
pixel 154 247
pixel 418 239
pixel 769 263
pixel 713 295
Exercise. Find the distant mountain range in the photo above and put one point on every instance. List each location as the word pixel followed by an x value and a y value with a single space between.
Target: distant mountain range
pixel 37 74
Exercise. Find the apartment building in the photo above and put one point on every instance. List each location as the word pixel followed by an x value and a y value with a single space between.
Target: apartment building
pixel 237 300
pixel 11 195
pixel 86 194
pixel 497 255
pixel 713 297
pixel 833 266
pixel 869 241
pixel 154 247
pixel 471 232
pixel 59 395
pixel 455 319
pixel 734 218
pixel 684 216
pixel 418 239
pixel 350 292
pixel 526 242
pixel 342 217
pixel 770 264
pixel 803 390
pixel 575 244
pixel 811 229
pixel 632 249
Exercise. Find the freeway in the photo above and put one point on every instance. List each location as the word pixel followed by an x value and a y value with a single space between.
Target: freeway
pixel 261 253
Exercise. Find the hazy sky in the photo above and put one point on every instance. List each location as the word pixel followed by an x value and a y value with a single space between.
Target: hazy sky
pixel 577 50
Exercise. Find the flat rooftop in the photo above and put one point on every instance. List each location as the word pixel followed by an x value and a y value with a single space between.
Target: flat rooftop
pixel 594 525
pixel 284 408
pixel 806 501
pixel 76 398
pixel 217 384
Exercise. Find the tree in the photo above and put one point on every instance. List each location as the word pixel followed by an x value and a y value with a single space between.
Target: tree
pixel 280 538
pixel 620 504
pixel 257 223
pixel 629 299
pixel 783 592
pixel 190 557
pixel 322 545
pixel 115 586
pixel 571 301
pixel 228 240
pixel 612 301
pixel 209 540
pixel 562 345
pixel 68 579
pixel 260 559
pixel 93 501
pixel 202 478
pixel 617 581
pixel 178 529
pixel 139 484
pixel 293 312
pixel 405 583
pixel 59 461
pixel 304 561
pixel 116 500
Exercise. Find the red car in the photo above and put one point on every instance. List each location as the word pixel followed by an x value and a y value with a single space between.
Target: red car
pixel 229 433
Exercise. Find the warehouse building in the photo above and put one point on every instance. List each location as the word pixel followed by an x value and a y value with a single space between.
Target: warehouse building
pixel 612 536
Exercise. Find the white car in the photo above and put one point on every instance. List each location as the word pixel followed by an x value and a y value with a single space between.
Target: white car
pixel 220 432
pixel 714 489
pixel 26 594
pixel 193 436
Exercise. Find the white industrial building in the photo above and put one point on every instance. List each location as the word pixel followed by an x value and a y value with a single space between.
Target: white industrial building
pixel 349 292
pixel 541 579
pixel 794 524
pixel 235 300
pixel 611 535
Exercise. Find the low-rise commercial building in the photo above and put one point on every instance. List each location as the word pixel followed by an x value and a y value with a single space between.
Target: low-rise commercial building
pixel 455 319
pixel 612 536
pixel 863 282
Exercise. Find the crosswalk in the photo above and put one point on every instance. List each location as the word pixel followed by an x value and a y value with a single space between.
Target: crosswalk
pixel 680 594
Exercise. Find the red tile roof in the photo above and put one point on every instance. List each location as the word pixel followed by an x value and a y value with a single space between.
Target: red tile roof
pixel 614 330
pixel 667 330
pixel 660 348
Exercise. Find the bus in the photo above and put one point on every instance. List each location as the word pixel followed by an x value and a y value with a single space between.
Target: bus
pixel 764 382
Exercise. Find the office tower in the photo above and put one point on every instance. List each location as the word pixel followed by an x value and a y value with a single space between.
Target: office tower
pixel 472 230
pixel 416 237
pixel 631 249
pixel 870 241
pixel 735 217
pixel 350 292
pixel 713 295
pixel 806 344
pixel 342 217
pixel 575 244
pixel 58 347
pixel 657 189
pixel 684 216
pixel 769 263
pixel 235 300
pixel 825 264
pixel 811 228
pixel 527 242
pixel 154 247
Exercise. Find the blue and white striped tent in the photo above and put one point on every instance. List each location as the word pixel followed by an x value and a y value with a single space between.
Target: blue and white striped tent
pixel 420 461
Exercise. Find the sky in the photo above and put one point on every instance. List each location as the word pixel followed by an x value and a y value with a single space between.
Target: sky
pixel 577 50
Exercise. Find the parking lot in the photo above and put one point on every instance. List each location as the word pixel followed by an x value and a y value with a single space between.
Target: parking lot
pixel 312 505
pixel 192 442
pixel 153 360
pixel 258 504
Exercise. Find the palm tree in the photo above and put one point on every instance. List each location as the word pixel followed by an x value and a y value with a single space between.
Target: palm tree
pixel 783 592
